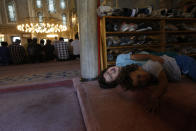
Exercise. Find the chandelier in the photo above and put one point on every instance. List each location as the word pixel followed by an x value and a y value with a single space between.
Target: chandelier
pixel 44 25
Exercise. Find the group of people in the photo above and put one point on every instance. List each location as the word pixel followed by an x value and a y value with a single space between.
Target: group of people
pixel 32 52
pixel 14 53
pixel 137 71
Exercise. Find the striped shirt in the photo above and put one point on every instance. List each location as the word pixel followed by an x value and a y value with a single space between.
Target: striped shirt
pixel 17 53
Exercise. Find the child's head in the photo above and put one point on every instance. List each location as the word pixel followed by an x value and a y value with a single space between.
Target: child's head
pixel 134 77
pixel 129 77
pixel 108 78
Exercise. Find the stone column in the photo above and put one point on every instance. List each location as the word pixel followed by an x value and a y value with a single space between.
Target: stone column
pixel 88 38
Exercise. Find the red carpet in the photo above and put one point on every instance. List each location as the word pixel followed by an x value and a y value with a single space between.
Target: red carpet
pixel 37 86
pixel 41 107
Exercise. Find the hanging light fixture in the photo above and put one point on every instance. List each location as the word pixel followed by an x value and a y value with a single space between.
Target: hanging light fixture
pixel 46 25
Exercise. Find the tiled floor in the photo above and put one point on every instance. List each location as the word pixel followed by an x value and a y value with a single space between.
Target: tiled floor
pixel 16 75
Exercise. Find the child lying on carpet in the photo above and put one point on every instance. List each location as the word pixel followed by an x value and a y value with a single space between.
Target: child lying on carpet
pixel 156 69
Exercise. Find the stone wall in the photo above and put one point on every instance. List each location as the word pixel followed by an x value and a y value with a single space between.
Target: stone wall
pixel 22 9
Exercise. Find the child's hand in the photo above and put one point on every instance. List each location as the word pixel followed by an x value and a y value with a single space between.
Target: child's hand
pixel 153 106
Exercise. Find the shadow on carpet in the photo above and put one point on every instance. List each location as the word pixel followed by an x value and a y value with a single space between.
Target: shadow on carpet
pixel 43 107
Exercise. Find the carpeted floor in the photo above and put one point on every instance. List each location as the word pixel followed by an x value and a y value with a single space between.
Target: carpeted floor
pixel 40 97
pixel 41 107
pixel 119 110
pixel 15 75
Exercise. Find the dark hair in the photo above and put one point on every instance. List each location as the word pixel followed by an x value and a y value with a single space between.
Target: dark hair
pixel 4 44
pixel 76 36
pixel 124 78
pixel 17 41
pixel 29 40
pixel 61 39
pixel 48 41
pixel 42 41
pixel 103 83
pixel 34 41
pixel 70 40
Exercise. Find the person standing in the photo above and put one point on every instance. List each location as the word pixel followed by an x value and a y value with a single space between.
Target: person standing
pixel 76 47
pixel 31 48
pixel 48 51
pixel 71 57
pixel 17 52
pixel 4 54
pixel 61 50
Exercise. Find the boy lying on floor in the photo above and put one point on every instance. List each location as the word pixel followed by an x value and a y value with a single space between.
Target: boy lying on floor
pixel 156 68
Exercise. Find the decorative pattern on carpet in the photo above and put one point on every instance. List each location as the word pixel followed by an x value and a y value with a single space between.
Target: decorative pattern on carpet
pixel 35 77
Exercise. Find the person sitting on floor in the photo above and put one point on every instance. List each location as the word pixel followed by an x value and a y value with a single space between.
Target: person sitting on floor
pixel 158 69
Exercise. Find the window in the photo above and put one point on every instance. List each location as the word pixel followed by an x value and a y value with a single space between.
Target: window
pixel 39 3
pixel 66 40
pixel 40 16
pixel 51 6
pixel 1 37
pixel 11 12
pixel 64 21
pixel 14 38
pixel 62 4
pixel 52 35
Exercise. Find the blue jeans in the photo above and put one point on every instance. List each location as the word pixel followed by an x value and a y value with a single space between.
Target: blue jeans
pixel 187 65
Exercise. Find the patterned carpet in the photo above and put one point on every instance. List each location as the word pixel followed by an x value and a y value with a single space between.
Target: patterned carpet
pixel 38 73
pixel 40 97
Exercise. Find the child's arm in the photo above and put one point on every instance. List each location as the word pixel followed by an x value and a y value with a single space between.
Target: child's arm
pixel 158 92
pixel 146 57
pixel 162 86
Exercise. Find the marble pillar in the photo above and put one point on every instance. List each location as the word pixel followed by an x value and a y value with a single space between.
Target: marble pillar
pixel 88 38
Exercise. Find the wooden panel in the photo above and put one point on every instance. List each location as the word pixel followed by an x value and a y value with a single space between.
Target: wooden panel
pixel 156 47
